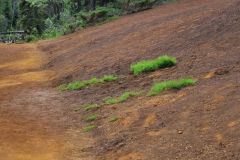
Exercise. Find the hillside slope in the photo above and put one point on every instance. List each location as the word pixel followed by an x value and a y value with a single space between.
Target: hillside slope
pixel 198 122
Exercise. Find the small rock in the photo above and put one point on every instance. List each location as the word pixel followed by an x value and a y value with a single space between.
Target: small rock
pixel 180 132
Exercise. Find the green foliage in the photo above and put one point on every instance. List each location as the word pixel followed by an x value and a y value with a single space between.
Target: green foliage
pixel 32 17
pixel 3 23
pixel 110 101
pixel 124 97
pixel 172 84
pixel 109 78
pixel 44 19
pixel 31 38
pixel 89 128
pixel 139 5
pixel 8 11
pixel 78 85
pixel 113 119
pixel 91 118
pixel 88 107
pixel 152 65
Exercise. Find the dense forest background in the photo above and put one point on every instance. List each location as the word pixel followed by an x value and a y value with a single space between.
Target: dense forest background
pixel 52 18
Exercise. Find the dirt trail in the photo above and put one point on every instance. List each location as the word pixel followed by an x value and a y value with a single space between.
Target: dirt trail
pixel 21 138
pixel 38 122
pixel 34 121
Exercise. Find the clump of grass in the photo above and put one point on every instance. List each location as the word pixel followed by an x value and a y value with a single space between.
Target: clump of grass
pixel 125 96
pixel 77 85
pixel 152 65
pixel 110 101
pixel 91 118
pixel 109 78
pixel 89 128
pixel 113 119
pixel 88 107
pixel 62 87
pixel 172 84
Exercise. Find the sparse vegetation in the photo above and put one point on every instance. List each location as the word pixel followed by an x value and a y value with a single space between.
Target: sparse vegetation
pixel 172 84
pixel 77 85
pixel 88 107
pixel 89 128
pixel 91 118
pixel 152 65
pixel 113 119
pixel 125 96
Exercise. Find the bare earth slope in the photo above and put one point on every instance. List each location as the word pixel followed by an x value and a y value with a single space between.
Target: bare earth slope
pixel 201 122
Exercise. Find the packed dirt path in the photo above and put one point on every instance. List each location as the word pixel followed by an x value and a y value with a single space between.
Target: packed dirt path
pixel 34 121
pixel 38 122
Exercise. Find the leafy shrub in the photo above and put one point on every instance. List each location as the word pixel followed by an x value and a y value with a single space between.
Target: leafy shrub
pixel 31 38
pixel 101 14
pixel 172 84
pixel 152 65
pixel 52 33
pixel 3 23
pixel 131 6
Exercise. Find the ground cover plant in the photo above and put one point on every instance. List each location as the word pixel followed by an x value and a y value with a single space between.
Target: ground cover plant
pixel 89 128
pixel 113 119
pixel 88 107
pixel 124 97
pixel 91 118
pixel 152 65
pixel 77 85
pixel 171 84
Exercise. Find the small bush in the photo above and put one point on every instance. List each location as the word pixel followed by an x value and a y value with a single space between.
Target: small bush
pixel 125 96
pixel 77 85
pixel 89 128
pixel 172 84
pixel 152 65
pixel 90 118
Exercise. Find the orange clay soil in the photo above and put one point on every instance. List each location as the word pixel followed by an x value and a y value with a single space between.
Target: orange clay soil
pixel 200 122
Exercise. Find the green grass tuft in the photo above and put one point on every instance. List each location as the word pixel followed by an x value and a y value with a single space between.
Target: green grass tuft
pixel 91 118
pixel 109 78
pixel 78 85
pixel 88 107
pixel 152 65
pixel 172 84
pixel 110 101
pixel 113 119
pixel 89 128
pixel 125 96
pixel 62 87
